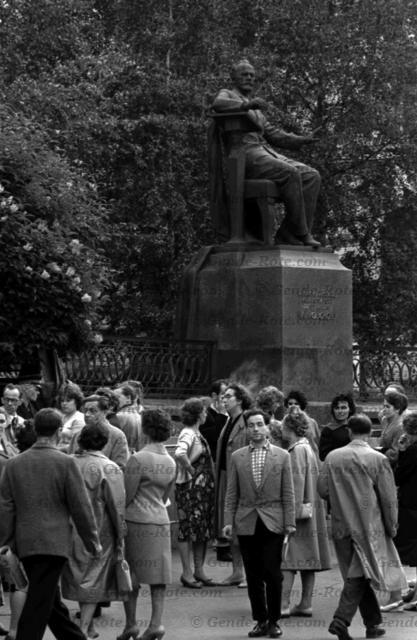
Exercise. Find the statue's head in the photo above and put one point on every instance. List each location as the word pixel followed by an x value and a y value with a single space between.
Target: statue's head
pixel 243 76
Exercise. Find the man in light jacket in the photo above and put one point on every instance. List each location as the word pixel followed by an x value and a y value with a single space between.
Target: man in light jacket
pixel 41 491
pixel 359 485
pixel 260 509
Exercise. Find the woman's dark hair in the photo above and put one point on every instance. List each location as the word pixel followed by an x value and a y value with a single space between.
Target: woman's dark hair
pixel 343 397
pixel 397 400
pixel 410 423
pixel 242 394
pixel 298 396
pixel 156 424
pixel 360 424
pixel 93 437
pixel 191 410
pixel 256 412
pixel 298 423
pixel 71 391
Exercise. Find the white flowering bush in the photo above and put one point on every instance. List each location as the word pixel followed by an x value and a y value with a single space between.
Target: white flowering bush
pixel 51 269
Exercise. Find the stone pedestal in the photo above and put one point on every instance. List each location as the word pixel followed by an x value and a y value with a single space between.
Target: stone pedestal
pixel 280 315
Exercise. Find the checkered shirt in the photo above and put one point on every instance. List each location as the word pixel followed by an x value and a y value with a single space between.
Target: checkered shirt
pixel 258 455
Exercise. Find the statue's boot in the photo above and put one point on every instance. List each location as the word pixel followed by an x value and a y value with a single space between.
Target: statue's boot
pixel 309 241
pixel 284 236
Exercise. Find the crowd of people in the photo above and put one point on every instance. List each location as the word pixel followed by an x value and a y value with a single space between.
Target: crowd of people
pixel 88 490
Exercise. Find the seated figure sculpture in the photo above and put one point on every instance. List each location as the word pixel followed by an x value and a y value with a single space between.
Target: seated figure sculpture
pixel 298 184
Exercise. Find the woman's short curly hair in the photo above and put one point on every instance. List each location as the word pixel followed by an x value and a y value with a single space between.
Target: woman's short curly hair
pixel 71 391
pixel 298 423
pixel 242 394
pixel 268 397
pixel 93 437
pixel 343 397
pixel 410 423
pixel 191 410
pixel 156 424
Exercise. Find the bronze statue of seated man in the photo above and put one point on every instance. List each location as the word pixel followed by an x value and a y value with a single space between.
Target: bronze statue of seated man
pixel 298 184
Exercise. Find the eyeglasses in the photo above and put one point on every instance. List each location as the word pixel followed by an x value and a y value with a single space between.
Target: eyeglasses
pixel 10 400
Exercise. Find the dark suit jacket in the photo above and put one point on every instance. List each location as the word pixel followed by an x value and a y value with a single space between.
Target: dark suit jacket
pixel 238 438
pixel 40 491
pixel 212 428
pixel 406 477
pixel 272 501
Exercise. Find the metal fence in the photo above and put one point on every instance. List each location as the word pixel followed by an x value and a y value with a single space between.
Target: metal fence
pixel 166 368
pixel 374 367
pixel 174 368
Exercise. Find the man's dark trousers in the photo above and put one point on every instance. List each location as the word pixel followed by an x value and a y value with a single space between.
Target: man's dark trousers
pixel 261 553
pixel 43 606
pixel 357 591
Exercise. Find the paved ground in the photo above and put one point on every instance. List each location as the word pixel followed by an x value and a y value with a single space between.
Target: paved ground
pixel 223 612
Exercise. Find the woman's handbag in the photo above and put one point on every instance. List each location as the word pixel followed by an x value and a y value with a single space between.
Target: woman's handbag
pixel 12 569
pixel 306 511
pixel 123 577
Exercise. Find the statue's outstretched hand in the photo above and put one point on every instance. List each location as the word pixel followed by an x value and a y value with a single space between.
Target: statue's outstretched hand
pixel 312 137
pixel 257 103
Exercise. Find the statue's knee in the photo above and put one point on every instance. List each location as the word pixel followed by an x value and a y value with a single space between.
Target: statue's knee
pixel 294 175
pixel 314 176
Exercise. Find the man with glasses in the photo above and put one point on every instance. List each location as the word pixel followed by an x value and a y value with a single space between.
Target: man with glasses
pixel 11 401
pixel 233 436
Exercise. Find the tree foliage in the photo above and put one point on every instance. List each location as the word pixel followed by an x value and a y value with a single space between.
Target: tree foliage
pixel 121 93
pixel 52 271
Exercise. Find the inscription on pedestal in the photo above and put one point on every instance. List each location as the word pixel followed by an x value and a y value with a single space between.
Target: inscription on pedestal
pixel 286 313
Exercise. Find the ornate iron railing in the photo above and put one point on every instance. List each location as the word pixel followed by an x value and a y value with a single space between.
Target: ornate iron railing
pixel 166 368
pixel 173 368
pixel 374 367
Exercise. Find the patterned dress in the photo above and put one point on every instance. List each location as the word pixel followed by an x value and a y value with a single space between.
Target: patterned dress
pixel 195 500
